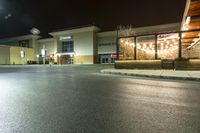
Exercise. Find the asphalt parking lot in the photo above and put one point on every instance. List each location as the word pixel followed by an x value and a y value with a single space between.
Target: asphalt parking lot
pixel 79 99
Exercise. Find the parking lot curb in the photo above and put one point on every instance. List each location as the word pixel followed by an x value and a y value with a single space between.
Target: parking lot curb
pixel 150 76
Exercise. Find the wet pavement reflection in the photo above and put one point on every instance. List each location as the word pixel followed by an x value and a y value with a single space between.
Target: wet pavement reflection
pixel 75 99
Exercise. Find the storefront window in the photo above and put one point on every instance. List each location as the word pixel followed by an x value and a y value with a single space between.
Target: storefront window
pixel 146 48
pixel 24 43
pixel 190 45
pixel 168 45
pixel 126 48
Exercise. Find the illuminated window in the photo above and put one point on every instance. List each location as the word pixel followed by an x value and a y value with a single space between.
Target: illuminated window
pixel 126 48
pixel 191 45
pixel 146 48
pixel 168 45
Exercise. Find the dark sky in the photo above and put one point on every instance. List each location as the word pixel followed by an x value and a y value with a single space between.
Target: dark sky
pixel 49 15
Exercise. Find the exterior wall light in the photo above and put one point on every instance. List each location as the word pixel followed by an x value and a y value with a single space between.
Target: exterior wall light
pixel 22 53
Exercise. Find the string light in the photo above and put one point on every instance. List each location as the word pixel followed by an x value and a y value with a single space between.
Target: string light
pixel 132 44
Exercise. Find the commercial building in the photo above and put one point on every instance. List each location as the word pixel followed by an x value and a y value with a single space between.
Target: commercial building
pixel 80 45
pixel 178 48
pixel 88 45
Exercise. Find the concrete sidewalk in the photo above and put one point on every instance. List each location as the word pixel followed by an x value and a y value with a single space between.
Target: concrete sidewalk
pixel 167 74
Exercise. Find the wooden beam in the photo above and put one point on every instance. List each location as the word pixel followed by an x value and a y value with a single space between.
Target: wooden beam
pixel 194 8
pixel 194 5
pixel 194 12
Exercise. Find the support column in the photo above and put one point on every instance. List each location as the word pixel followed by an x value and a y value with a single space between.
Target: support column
pixel 180 46
pixel 135 48
pixel 117 50
pixel 156 46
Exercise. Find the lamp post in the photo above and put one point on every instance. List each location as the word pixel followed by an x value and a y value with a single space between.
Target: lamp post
pixel 35 31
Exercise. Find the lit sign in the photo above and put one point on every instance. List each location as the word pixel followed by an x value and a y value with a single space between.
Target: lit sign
pixel 65 38
pixel 168 36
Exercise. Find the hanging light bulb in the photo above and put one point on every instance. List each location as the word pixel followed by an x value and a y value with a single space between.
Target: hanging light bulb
pixel 144 45
pixel 151 45
pixel 126 42
pixel 138 46
pixel 132 44
pixel 122 40
pixel 176 43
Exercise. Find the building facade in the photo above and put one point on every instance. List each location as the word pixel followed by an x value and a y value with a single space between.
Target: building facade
pixel 178 48
pixel 83 45
pixel 88 45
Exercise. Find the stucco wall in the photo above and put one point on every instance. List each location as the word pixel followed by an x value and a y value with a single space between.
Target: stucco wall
pixel 50 46
pixel 4 55
pixel 84 47
pixel 106 45
pixel 15 55
pixel 83 43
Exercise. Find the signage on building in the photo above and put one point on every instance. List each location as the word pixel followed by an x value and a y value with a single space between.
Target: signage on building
pixel 65 38
pixel 168 36
pixel 115 55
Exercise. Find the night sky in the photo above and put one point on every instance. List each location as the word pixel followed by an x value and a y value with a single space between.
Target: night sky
pixel 17 17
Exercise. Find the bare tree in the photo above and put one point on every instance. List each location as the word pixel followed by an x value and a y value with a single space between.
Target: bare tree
pixel 124 31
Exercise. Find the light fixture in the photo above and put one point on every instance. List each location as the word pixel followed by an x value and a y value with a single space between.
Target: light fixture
pixel 144 45
pixel 138 46
pixel 35 31
pixel 126 42
pixel 132 44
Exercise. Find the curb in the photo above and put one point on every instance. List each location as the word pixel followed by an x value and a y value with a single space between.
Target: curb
pixel 150 76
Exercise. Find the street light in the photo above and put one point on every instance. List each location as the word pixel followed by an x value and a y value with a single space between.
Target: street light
pixel 35 31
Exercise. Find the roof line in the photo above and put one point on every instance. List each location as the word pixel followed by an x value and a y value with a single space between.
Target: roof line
pixel 74 27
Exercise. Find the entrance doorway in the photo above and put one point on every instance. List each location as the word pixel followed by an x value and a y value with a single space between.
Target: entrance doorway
pixel 107 59
pixel 67 59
